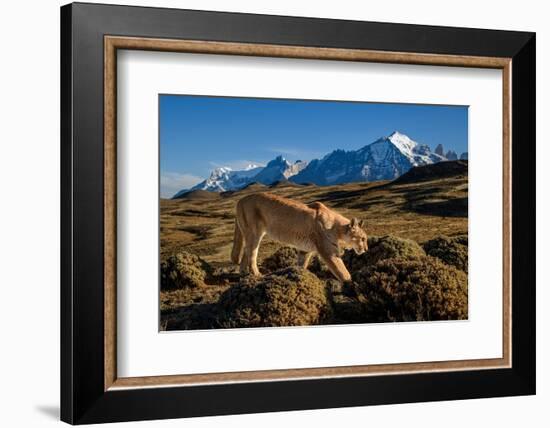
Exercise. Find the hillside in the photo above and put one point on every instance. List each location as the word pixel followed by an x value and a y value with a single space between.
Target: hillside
pixel 457 168
pixel 426 203
pixel 197 195
pixel 420 205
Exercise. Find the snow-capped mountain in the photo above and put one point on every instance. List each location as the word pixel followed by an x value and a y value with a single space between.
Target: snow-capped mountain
pixel 224 178
pixel 279 169
pixel 385 159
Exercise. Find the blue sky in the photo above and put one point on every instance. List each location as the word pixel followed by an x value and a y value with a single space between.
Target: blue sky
pixel 198 134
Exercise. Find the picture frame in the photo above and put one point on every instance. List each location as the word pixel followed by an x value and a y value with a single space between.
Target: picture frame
pixel 91 390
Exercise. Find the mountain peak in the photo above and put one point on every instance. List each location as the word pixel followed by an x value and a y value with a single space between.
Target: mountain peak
pixel 402 141
pixel 279 169
pixel 385 159
pixel 397 134
pixel 279 160
pixel 221 170
pixel 225 178
pixel 251 166
pixel 451 155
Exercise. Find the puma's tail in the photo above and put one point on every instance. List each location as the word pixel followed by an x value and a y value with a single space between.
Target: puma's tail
pixel 238 243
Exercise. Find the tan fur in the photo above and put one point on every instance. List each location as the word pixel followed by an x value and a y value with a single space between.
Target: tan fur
pixel 312 228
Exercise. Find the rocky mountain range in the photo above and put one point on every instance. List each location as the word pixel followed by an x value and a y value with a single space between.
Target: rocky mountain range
pixel 385 159
pixel 224 178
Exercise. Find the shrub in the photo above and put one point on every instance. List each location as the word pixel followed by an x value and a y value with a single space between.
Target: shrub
pixel 461 239
pixel 381 248
pixel 284 257
pixel 319 268
pixel 183 270
pixel 288 297
pixel 420 289
pixel 453 251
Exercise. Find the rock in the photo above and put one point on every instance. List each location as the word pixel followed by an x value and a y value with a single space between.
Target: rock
pixel 451 155
pixel 439 150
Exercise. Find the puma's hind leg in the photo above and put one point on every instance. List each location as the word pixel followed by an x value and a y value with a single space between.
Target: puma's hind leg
pixel 304 259
pixel 255 246
pixel 243 267
pixel 249 262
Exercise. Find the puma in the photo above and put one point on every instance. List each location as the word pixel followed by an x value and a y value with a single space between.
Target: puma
pixel 312 228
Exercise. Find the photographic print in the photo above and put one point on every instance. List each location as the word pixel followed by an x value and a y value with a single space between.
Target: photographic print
pixel 290 212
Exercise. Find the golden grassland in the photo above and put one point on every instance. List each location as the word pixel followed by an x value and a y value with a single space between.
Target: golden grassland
pixel 202 223
pixel 417 211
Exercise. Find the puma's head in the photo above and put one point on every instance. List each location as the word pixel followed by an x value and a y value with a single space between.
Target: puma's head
pixel 356 237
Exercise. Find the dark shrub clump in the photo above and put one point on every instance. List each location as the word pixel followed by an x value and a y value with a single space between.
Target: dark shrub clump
pixel 319 268
pixel 453 251
pixel 461 239
pixel 284 257
pixel 288 297
pixel 380 248
pixel 420 289
pixel 183 270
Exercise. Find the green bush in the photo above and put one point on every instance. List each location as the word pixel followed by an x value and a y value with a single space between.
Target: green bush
pixel 420 289
pixel 381 248
pixel 453 251
pixel 183 270
pixel 288 297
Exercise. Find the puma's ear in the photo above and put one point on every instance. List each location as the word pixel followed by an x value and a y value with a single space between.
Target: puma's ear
pixel 354 222
pixel 363 223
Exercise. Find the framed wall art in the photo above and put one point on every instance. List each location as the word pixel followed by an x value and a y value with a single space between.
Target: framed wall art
pixel 266 213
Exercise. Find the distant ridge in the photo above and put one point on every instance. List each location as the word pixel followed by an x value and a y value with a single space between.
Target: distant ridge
pixel 284 183
pixel 446 169
pixel 254 186
pixel 197 194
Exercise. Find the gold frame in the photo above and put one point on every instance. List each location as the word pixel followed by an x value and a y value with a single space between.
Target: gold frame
pixel 113 43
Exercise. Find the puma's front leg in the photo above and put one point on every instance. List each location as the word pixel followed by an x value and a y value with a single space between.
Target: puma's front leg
pixel 337 267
